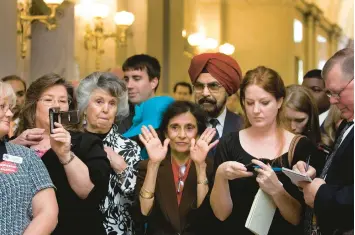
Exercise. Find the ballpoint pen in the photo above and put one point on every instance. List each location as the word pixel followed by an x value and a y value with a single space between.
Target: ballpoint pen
pixel 307 165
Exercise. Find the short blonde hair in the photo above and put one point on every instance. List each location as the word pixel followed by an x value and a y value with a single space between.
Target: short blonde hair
pixel 7 93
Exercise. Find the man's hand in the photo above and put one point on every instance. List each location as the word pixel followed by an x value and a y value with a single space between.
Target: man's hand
pixel 301 167
pixel 310 190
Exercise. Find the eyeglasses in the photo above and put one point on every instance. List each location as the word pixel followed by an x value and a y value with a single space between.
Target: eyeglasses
pixel 182 171
pixel 213 87
pixel 49 101
pixel 337 95
pixel 5 107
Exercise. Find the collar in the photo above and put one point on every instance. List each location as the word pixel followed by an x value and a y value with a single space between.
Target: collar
pixel 322 117
pixel 221 118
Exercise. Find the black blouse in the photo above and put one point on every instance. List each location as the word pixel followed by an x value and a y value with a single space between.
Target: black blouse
pixel 243 190
pixel 80 216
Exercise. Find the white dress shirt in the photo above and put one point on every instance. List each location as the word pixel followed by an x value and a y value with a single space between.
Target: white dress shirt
pixel 322 117
pixel 221 118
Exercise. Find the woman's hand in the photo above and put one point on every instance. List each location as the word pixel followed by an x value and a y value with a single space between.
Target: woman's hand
pixel 60 142
pixel 116 161
pixel 29 137
pixel 231 170
pixel 156 151
pixel 267 178
pixel 200 148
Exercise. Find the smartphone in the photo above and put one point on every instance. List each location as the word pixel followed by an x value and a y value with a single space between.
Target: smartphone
pixel 55 115
pixel 251 166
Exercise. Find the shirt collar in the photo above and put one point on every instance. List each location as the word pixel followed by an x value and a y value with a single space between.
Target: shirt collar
pixel 222 117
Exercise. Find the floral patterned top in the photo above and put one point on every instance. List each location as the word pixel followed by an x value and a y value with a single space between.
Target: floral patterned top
pixel 120 195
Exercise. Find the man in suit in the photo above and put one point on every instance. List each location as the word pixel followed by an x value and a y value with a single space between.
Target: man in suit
pixel 331 195
pixel 216 76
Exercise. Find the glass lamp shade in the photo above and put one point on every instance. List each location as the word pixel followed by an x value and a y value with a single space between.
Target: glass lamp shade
pixel 209 44
pixel 195 39
pixel 91 10
pixel 226 48
pixel 53 2
pixel 124 18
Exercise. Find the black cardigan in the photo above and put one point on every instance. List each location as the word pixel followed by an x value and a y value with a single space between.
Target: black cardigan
pixel 78 216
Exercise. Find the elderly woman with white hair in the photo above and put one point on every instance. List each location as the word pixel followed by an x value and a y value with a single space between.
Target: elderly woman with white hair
pixel 102 97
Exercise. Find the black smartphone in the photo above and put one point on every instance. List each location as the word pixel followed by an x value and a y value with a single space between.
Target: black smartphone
pixel 251 166
pixel 69 117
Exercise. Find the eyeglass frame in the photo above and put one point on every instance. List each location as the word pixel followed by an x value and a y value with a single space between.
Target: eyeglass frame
pixel 207 85
pixel 329 94
pixel 41 100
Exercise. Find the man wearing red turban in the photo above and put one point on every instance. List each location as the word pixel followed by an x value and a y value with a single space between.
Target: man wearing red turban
pixel 216 76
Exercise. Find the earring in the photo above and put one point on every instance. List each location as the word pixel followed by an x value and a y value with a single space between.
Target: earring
pixel 84 120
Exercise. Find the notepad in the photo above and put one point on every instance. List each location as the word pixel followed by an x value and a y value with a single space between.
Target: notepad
pixel 261 214
pixel 295 176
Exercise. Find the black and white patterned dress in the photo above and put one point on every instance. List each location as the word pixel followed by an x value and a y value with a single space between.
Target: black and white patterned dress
pixel 121 186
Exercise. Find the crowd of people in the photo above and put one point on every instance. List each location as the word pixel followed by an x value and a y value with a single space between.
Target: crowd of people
pixel 120 160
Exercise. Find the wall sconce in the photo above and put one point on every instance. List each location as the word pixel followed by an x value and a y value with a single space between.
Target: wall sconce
pixel 226 48
pixel 95 36
pixel 198 43
pixel 25 19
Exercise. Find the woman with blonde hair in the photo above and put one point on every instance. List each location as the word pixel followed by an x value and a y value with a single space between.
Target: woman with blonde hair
pixel 331 125
pixel 302 113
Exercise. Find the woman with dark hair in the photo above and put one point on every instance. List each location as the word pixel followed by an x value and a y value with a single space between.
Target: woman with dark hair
pixel 173 183
pixel 264 144
pixel 302 113
pixel 102 97
pixel 76 161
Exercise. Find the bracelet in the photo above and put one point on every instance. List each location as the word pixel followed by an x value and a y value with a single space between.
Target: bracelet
pixel 204 182
pixel 146 194
pixel 72 155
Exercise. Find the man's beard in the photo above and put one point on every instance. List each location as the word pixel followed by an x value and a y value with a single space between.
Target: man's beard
pixel 217 108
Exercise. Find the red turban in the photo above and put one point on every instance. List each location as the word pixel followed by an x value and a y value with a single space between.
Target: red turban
pixel 222 67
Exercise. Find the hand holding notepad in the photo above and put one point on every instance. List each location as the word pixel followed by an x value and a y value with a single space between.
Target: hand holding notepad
pixel 295 176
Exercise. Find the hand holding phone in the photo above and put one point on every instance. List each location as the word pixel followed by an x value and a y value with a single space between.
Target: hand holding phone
pixel 62 117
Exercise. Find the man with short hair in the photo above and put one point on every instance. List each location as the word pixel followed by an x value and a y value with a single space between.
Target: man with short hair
pixel 182 91
pixel 314 81
pixel 216 76
pixel 19 87
pixel 331 195
pixel 142 74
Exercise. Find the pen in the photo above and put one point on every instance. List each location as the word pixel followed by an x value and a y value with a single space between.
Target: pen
pixel 276 169
pixel 307 165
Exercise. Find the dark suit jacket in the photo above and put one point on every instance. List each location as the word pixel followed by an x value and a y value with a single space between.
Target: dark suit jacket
pixel 166 217
pixel 334 201
pixel 232 123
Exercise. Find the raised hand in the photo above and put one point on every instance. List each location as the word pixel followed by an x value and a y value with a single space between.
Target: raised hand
pixel 200 148
pixel 61 142
pixel 156 150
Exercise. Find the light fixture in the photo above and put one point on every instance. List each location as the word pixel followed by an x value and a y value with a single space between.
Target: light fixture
pixel 25 19
pixel 195 39
pixel 95 37
pixel 208 44
pixel 123 20
pixel 226 48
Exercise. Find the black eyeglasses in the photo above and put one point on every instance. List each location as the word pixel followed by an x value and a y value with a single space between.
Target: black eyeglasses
pixel 337 95
pixel 213 87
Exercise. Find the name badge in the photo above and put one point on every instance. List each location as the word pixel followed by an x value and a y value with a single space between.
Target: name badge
pixel 12 158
